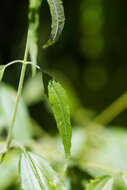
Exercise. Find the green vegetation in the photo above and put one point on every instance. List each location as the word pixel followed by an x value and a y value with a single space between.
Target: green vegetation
pixel 80 152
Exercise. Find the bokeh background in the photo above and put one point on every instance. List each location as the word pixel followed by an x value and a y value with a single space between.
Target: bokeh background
pixel 91 52
pixel 90 59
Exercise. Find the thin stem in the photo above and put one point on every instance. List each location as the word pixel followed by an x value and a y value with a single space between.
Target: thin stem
pixel 97 166
pixel 16 61
pixel 21 61
pixel 112 111
pixel 36 66
pixel 18 93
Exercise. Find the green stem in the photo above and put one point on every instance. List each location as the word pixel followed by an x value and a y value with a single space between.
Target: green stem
pixel 18 93
pixel 96 166
pixel 112 111
pixel 16 61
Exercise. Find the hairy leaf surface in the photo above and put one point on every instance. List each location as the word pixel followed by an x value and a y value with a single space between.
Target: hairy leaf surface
pixel 37 174
pixel 58 19
pixel 102 183
pixel 60 106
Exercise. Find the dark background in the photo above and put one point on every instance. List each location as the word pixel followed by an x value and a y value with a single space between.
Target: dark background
pixel 92 51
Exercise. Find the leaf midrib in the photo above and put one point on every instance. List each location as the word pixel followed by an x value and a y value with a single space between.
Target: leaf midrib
pixel 63 115
pixel 34 170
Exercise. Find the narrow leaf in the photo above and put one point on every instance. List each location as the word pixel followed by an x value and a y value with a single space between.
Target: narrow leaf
pixel 2 69
pixel 37 174
pixel 33 16
pixel 102 183
pixel 60 106
pixel 58 19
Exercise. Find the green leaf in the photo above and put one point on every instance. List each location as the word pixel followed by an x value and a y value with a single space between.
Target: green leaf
pixel 104 142
pixel 8 169
pixel 2 69
pixel 31 96
pixel 58 19
pixel 102 183
pixel 22 127
pixel 60 106
pixel 37 174
pixel 33 16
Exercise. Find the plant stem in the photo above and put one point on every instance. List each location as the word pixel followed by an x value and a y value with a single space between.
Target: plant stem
pixel 112 111
pixel 16 61
pixel 18 93
pixel 97 166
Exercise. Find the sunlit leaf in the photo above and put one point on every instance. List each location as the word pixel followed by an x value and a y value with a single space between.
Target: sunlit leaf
pixel 102 183
pixel 22 127
pixel 58 19
pixel 60 106
pixel 37 174
pixel 108 149
pixel 34 6
pixel 31 96
pixel 2 69
pixel 8 169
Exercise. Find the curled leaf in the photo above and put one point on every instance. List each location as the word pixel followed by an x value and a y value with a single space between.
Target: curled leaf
pixel 58 20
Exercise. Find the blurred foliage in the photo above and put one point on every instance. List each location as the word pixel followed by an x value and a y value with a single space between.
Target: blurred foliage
pixel 90 61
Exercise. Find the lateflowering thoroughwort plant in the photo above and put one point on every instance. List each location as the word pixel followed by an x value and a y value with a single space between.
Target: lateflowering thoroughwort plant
pixel 34 170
